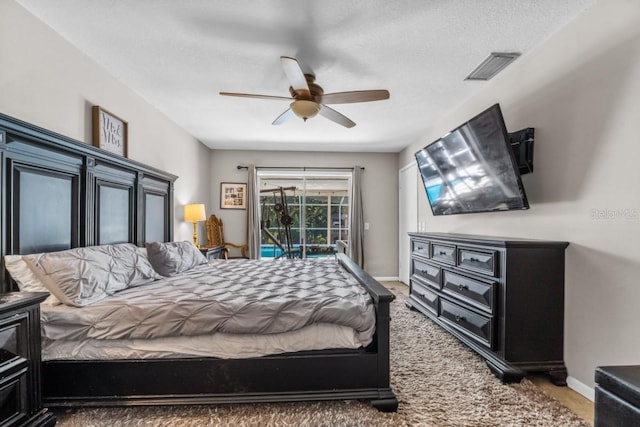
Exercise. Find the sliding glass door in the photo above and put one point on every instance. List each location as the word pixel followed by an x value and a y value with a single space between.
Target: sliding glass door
pixel 303 213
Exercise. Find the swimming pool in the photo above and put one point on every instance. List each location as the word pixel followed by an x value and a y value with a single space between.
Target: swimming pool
pixel 313 251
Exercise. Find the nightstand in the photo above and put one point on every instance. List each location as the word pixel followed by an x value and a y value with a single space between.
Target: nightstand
pixel 212 252
pixel 20 389
pixel 617 396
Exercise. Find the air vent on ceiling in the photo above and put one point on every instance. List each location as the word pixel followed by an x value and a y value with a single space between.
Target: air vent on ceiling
pixel 492 65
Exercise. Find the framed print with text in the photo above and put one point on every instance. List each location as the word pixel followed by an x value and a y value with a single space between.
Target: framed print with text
pixel 109 132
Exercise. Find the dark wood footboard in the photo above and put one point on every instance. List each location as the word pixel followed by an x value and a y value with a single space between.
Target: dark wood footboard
pixel 312 375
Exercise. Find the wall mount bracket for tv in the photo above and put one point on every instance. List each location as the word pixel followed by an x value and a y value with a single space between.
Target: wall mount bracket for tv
pixel 522 146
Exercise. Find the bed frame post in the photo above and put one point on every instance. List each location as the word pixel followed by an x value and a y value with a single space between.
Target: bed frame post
pixel 382 297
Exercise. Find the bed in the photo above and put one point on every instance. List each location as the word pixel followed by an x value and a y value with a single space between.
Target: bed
pixel 90 198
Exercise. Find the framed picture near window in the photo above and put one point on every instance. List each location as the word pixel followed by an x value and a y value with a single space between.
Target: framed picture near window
pixel 109 131
pixel 233 195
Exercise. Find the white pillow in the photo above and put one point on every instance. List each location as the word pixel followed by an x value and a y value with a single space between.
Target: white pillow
pixel 82 276
pixel 26 279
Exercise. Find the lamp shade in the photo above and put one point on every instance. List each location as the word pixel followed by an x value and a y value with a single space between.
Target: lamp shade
pixel 194 212
pixel 304 109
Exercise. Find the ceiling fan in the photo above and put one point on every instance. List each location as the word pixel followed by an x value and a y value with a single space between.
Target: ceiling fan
pixel 308 99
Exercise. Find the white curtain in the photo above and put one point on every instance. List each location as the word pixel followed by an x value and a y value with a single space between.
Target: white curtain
pixel 253 213
pixel 356 221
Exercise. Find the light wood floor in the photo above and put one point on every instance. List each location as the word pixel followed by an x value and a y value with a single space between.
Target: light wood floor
pixel 573 400
pixel 579 404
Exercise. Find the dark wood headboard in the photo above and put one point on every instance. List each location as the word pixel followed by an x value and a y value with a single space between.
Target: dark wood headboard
pixel 58 193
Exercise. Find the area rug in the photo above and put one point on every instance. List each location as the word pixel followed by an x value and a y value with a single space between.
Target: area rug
pixel 439 382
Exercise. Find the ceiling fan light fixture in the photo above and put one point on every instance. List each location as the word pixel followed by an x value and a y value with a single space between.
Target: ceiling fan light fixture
pixel 305 109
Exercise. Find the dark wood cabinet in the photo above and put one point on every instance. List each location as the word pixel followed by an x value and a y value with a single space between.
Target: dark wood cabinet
pixel 504 298
pixel 617 402
pixel 212 252
pixel 20 389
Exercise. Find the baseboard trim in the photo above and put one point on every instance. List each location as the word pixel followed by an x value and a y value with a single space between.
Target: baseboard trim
pixel 581 388
pixel 388 279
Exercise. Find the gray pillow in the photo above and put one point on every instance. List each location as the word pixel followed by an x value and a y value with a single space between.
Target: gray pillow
pixel 173 258
pixel 81 276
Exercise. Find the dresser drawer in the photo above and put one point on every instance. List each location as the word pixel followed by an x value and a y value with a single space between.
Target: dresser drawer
pixel 420 248
pixel 428 273
pixel 14 385
pixel 476 326
pixel 425 296
pixel 476 260
pixel 443 253
pixel 480 294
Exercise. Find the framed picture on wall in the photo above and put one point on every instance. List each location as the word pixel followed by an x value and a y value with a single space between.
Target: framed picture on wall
pixel 109 131
pixel 233 195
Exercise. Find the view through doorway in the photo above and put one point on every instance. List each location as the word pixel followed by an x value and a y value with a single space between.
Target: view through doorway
pixel 304 214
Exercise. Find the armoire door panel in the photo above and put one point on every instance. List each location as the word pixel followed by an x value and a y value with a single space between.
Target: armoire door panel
pixel 115 223
pixel 115 207
pixel 45 210
pixel 155 219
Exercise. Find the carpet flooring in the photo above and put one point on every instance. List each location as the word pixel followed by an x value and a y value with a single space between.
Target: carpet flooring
pixel 439 382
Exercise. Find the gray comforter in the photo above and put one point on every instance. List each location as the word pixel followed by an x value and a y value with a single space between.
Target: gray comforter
pixel 236 296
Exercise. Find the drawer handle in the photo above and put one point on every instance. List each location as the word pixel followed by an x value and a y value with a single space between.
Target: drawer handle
pixel 463 287
pixel 474 259
pixel 425 272
pixel 442 253
pixel 459 318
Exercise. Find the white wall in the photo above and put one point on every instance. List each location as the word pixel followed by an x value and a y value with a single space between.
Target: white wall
pixel 46 81
pixel 580 90
pixel 379 196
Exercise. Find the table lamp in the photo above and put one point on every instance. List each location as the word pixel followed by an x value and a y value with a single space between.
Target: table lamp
pixel 193 213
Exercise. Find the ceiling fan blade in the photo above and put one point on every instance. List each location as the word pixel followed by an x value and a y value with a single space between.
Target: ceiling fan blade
pixel 249 95
pixel 295 76
pixel 334 116
pixel 283 117
pixel 354 96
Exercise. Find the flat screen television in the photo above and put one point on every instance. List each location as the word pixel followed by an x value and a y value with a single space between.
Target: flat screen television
pixel 472 168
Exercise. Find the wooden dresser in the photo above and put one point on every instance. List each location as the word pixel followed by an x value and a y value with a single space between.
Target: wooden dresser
pixel 20 389
pixel 504 298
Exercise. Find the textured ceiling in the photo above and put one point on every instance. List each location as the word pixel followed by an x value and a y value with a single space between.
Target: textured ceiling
pixel 179 54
